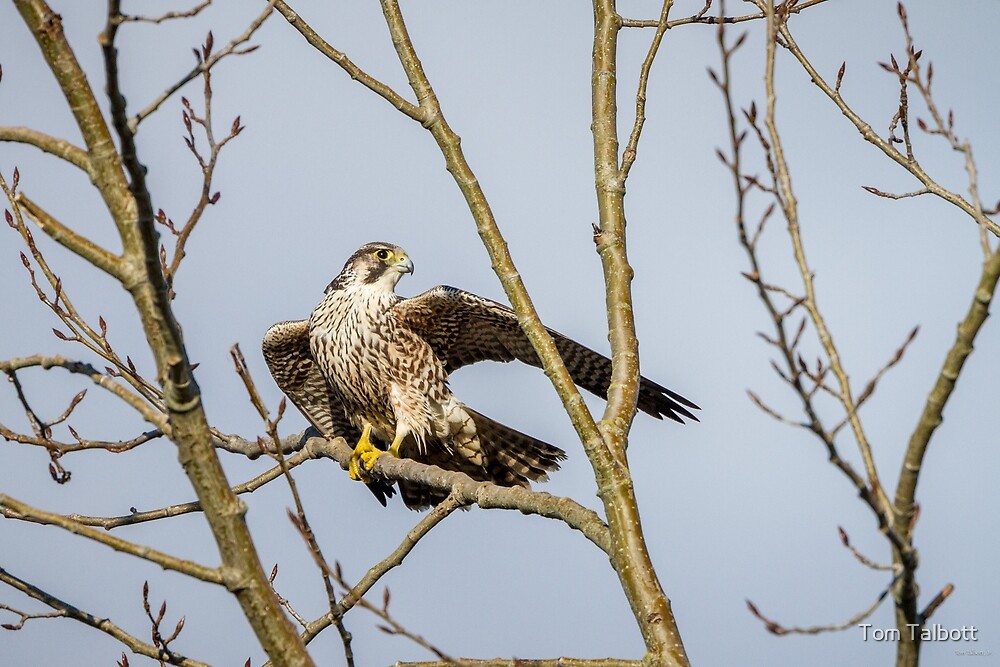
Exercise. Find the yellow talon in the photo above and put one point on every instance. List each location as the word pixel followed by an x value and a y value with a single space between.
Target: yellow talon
pixel 365 454
pixel 363 458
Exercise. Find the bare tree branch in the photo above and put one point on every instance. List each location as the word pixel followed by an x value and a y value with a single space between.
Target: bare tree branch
pixel 873 138
pixel 377 571
pixel 777 629
pixel 24 617
pixel 194 11
pixel 628 157
pixel 789 206
pixel 861 558
pixel 14 509
pixel 381 89
pixel 129 203
pixel 938 600
pixel 522 662
pixel 149 413
pixel 103 624
pixel 204 65
pixel 60 148
pixel 700 17
pixel 66 237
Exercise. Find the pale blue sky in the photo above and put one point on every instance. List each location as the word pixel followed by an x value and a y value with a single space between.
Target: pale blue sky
pixel 735 507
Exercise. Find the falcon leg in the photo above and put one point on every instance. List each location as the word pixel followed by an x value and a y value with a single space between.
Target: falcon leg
pixel 365 454
pixel 397 441
pixel 363 457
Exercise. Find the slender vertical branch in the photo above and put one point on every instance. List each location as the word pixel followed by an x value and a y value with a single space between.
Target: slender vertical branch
pixel 624 389
pixel 789 206
pixel 930 420
pixel 628 157
pixel 629 555
pixel 432 118
pixel 129 202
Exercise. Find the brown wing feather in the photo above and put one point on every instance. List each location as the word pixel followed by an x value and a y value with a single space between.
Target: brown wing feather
pixel 286 351
pixel 512 459
pixel 463 328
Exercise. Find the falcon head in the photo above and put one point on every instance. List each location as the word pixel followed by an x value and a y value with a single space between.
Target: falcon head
pixel 380 264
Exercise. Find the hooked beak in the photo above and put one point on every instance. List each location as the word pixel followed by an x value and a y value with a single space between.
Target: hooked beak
pixel 404 265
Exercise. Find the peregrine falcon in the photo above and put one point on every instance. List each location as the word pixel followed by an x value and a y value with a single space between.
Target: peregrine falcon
pixel 372 367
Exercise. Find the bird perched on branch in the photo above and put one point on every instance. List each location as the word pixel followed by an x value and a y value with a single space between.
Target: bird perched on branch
pixel 372 367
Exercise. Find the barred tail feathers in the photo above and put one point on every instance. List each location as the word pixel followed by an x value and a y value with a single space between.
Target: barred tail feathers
pixel 513 457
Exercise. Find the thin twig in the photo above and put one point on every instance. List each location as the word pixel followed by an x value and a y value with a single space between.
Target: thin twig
pixel 62 306
pixel 628 156
pixel 777 629
pixel 890 195
pixel 100 623
pixel 207 165
pixel 354 596
pixel 232 48
pixel 861 558
pixel 104 260
pixel 381 89
pixel 46 362
pixel 789 206
pixel 194 11
pixel 886 147
pixel 299 518
pixel 797 374
pixel 938 600
pixel 379 570
pixel 24 617
pixel 701 18
pixel 14 509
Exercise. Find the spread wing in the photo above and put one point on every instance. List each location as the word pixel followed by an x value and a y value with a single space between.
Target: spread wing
pixel 286 351
pixel 463 328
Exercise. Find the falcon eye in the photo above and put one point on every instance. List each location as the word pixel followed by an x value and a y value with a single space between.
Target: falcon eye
pixel 383 254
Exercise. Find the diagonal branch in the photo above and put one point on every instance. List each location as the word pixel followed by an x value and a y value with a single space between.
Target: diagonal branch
pixel 872 137
pixel 149 413
pixel 775 628
pixel 628 157
pixel 789 206
pixel 430 116
pixel 103 624
pixel 63 307
pixel 371 83
pixel 629 557
pixel 204 65
pixel 380 569
pixel 66 237
pixel 106 166
pixel 129 202
pixel 932 415
pixel 15 509
pixel 52 145
pixel 168 16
